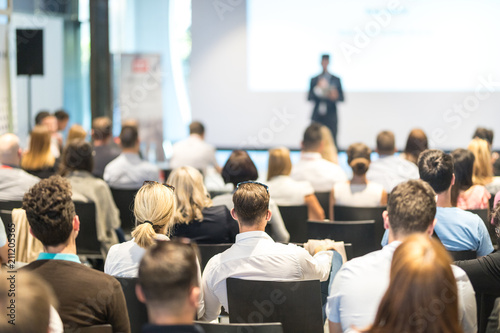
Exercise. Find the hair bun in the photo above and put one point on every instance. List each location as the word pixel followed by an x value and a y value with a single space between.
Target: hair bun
pixel 359 165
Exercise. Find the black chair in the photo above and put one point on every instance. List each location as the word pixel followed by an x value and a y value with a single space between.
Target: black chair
pixel 358 233
pixel 137 311
pixel 324 201
pixel 484 214
pixel 295 304
pixel 207 251
pixel 87 243
pixel 348 251
pixel 124 200
pixel 97 329
pixel 345 213
pixel 295 218
pixel 463 255
pixel 239 328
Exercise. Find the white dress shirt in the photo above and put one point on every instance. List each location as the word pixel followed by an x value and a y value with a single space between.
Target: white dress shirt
pixel 255 256
pixel 361 283
pixel 322 174
pixel 391 170
pixel 194 152
pixel 286 191
pixel 129 171
pixel 14 182
pixel 358 195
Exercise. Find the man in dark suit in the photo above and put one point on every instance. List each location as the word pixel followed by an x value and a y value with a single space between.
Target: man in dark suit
pixel 325 92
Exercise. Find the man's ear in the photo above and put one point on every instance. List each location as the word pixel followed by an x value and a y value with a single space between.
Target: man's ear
pixel 233 214
pixel 453 180
pixel 385 216
pixel 140 293
pixel 76 223
pixel 430 229
pixel 268 215
pixel 194 297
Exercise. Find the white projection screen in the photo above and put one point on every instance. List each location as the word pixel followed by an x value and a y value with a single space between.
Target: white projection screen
pixel 432 64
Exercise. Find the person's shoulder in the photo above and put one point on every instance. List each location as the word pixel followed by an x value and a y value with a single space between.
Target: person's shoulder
pixel 459 273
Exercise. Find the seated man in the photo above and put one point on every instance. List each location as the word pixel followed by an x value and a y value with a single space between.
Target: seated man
pixel 255 255
pixel 105 150
pixel 168 284
pixel 86 296
pixel 322 174
pixel 389 169
pixel 359 286
pixel 194 151
pixel 14 181
pixel 128 171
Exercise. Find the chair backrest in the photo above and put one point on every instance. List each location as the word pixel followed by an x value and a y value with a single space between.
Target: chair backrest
pixel 463 255
pixel 345 213
pixel 87 243
pixel 295 304
pixel 137 311
pixel 97 329
pixel 358 233
pixel 207 251
pixel 124 201
pixel 324 201
pixel 240 328
pixel 295 218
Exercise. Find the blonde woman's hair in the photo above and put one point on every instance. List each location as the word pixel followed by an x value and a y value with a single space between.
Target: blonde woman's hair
pixel 192 196
pixel 38 156
pixel 154 209
pixel 76 132
pixel 329 151
pixel 279 162
pixel 483 169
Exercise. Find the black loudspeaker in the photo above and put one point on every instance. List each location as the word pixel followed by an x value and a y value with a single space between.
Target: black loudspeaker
pixel 29 51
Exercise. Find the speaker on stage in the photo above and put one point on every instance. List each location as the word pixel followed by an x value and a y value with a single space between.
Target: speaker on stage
pixel 29 51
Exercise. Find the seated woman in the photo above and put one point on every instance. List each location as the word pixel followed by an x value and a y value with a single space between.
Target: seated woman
pixel 154 209
pixel 239 168
pixel 39 160
pixel 415 144
pixel 483 169
pixel 287 191
pixel 77 162
pixel 421 276
pixel 196 218
pixel 358 192
pixel 464 194
pixel 329 151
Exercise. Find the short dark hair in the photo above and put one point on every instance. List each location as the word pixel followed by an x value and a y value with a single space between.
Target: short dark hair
pixel 411 207
pixel 196 128
pixel 50 210
pixel 312 137
pixel 485 134
pixel 61 115
pixel 129 136
pixel 386 143
pixel 325 56
pixel 167 272
pixel 436 168
pixel 102 128
pixel 251 203
pixel 239 168
pixel 77 155
pixel 40 116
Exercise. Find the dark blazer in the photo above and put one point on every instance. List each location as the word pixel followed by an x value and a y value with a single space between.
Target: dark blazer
pixel 331 105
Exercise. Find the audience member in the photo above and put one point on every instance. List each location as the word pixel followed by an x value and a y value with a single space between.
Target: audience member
pixel 464 194
pixel 4 245
pixel 329 151
pixel 105 150
pixel 39 159
pixel 321 173
pixel 56 141
pixel 154 208
pixel 389 169
pixel 33 307
pixel 421 278
pixel 76 165
pixel 358 192
pixel 62 119
pixel 360 284
pixel 287 191
pixel 415 144
pixel 239 168
pixel 168 285
pixel 87 297
pixel 76 132
pixel 483 169
pixel 487 134
pixel 40 116
pixel 196 217
pixel 194 151
pixel 14 181
pixel 128 170
pixel 255 255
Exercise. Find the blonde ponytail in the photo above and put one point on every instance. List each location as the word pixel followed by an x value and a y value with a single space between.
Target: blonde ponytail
pixel 144 235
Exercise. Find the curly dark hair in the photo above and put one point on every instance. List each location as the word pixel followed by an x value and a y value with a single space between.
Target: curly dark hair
pixel 50 210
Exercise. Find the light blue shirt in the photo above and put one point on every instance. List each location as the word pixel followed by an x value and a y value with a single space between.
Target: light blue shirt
pixel 59 256
pixel 459 230
pixel 129 171
pixel 391 170
pixel 3 235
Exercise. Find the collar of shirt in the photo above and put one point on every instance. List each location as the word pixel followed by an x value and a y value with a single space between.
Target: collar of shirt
pixel 392 246
pixel 59 256
pixel 311 156
pixel 6 166
pixel 252 234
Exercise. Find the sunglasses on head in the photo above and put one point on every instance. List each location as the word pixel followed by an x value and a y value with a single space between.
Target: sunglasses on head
pixel 152 182
pixel 253 182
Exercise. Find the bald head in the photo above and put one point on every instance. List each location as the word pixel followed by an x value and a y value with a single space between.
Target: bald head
pixel 10 152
